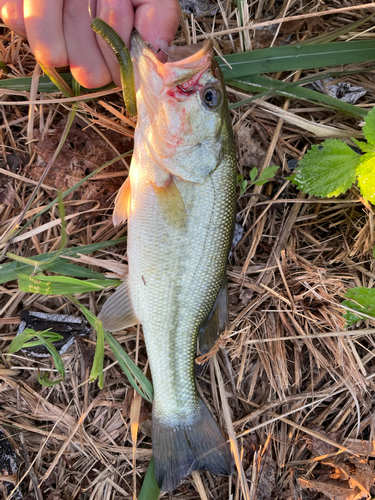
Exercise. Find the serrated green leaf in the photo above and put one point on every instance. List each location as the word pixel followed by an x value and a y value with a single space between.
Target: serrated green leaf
pixel 366 177
pixel 364 302
pixel 328 171
pixel 369 127
pixel 365 147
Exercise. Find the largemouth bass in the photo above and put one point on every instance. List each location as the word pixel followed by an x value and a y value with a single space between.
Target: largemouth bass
pixel 179 200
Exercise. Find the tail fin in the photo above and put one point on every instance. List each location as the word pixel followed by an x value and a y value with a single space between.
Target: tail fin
pixel 197 445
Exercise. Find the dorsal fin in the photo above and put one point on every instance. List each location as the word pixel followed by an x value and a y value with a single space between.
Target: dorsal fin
pixel 122 204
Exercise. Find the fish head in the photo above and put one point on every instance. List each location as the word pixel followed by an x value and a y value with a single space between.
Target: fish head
pixel 182 107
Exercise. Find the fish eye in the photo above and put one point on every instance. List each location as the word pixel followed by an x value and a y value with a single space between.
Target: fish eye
pixel 211 96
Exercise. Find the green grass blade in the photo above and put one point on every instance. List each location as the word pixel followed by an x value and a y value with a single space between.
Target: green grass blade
pixel 43 338
pixel 97 365
pixel 332 35
pixel 65 268
pixel 61 285
pixel 45 85
pixel 150 489
pixel 10 270
pixel 53 351
pixel 295 57
pixel 55 77
pixel 256 83
pixel 131 370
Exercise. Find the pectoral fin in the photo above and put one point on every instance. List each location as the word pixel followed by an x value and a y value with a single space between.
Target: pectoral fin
pixel 215 324
pixel 171 204
pixel 117 312
pixel 122 204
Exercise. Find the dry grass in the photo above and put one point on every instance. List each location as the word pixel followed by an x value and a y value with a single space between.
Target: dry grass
pixel 293 391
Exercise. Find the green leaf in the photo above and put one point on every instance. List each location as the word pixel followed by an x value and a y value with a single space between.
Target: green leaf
pixel 97 366
pixel 253 173
pixel 369 127
pixel 45 337
pixel 55 355
pixel 332 35
pixel 23 339
pixel 267 174
pixel 10 270
pixel 150 489
pixel 294 57
pixel 61 285
pixel 366 176
pixel 269 86
pixel 328 171
pixel 365 147
pixel 44 380
pixel 45 85
pixel 131 370
pixel 364 302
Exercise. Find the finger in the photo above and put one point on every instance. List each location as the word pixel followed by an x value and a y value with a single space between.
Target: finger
pixel 11 12
pixel 44 28
pixel 119 15
pixel 157 22
pixel 85 57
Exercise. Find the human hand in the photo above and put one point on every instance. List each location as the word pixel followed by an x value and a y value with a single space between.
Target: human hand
pixel 59 31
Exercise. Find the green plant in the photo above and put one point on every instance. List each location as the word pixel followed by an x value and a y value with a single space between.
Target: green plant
pixel 332 168
pixel 267 174
pixel 360 299
pixel 46 337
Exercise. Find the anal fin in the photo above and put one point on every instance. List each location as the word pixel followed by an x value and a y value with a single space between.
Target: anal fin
pixel 117 313
pixel 215 323
pixel 171 204
pixel 122 204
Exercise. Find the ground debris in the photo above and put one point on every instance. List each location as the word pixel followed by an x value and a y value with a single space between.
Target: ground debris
pixel 293 373
pixel 351 479
pixel 83 152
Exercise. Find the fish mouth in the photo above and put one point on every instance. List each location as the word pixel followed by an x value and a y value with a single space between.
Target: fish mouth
pixel 184 63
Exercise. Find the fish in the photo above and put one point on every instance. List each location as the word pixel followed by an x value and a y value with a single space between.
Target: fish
pixel 179 201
